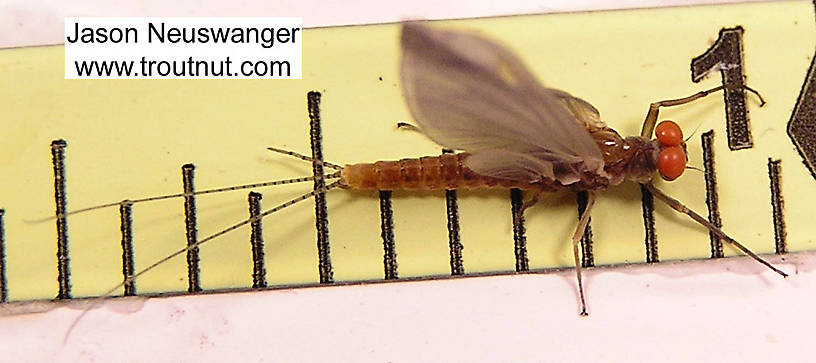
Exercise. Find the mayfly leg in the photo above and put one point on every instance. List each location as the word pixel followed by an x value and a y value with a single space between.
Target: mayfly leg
pixel 680 207
pixel 576 241
pixel 646 132
pixel 526 205
pixel 654 108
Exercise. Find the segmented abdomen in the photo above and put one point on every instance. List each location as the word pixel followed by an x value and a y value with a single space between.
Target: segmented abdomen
pixel 447 171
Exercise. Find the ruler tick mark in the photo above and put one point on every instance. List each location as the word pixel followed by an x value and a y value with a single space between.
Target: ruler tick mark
pixel 190 223
pixel 387 233
pixel 126 227
pixel 519 232
pixel 3 281
pixel 712 197
pixel 321 213
pixel 63 258
pixel 587 256
pixel 454 239
pixel 650 237
pixel 256 241
pixel 778 206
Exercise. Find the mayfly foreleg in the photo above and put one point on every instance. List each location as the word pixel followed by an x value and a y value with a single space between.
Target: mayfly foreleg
pixel 576 241
pixel 654 108
pixel 680 207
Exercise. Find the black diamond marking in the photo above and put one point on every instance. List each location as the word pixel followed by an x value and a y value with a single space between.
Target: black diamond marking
pixel 321 212
pixel 650 238
pixel 387 228
pixel 63 258
pixel 190 224
pixel 587 257
pixel 712 197
pixel 126 227
pixel 802 124
pixel 778 206
pixel 519 232
pixel 256 241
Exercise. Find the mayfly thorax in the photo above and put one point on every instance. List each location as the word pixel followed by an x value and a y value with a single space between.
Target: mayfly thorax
pixel 472 95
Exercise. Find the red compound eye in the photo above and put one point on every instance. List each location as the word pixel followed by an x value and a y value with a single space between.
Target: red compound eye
pixel 669 134
pixel 671 162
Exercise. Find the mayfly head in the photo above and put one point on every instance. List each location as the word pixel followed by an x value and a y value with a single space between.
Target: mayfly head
pixel 672 158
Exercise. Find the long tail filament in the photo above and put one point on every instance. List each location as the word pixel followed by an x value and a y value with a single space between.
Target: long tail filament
pixel 95 302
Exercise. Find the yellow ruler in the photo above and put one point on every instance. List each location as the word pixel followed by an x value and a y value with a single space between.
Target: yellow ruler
pixel 128 139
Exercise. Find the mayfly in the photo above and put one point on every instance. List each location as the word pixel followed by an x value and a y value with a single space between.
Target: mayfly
pixel 470 94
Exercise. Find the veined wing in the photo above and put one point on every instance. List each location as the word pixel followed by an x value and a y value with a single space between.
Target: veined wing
pixel 469 93
pixel 586 114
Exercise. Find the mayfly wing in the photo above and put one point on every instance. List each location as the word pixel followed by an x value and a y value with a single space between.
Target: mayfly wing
pixel 513 165
pixel 469 93
pixel 584 112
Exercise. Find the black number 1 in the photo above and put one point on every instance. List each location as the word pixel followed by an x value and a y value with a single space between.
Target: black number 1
pixel 725 55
